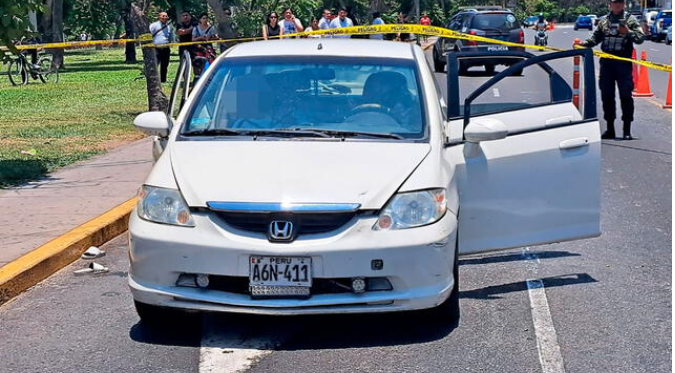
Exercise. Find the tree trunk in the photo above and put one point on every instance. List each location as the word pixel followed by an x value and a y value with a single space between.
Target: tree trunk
pixel 223 23
pixel 157 100
pixel 130 48
pixel 56 28
pixel 375 6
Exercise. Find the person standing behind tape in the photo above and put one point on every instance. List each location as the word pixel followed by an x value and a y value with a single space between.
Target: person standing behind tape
pixel 377 20
pixel 162 33
pixel 425 21
pixel 324 22
pixel 271 26
pixel 340 22
pixel 290 24
pixel 616 35
pixel 184 32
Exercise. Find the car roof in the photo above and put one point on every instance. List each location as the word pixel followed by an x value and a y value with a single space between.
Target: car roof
pixel 323 47
pixel 493 12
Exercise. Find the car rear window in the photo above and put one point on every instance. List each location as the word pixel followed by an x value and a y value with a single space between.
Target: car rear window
pixel 666 15
pixel 584 19
pixel 495 22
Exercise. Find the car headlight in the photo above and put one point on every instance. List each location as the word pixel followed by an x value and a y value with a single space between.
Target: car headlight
pixel 163 205
pixel 412 209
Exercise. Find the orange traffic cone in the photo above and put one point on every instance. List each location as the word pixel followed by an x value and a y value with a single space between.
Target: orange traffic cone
pixel 551 26
pixel 643 89
pixel 635 71
pixel 669 94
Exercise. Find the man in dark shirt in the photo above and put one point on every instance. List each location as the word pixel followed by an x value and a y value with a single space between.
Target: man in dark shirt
pixel 185 26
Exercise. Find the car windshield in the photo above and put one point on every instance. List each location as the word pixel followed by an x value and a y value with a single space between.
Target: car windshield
pixel 324 96
pixel 666 15
pixel 497 21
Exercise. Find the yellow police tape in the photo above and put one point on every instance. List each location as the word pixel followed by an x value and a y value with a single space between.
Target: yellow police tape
pixel 355 30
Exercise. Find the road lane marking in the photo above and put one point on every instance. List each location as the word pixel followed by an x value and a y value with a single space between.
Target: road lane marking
pixel 229 350
pixel 495 92
pixel 550 357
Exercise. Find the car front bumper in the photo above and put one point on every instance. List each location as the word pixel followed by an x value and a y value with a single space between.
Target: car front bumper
pixel 418 263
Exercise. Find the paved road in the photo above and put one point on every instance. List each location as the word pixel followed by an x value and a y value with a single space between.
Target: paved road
pixel 609 301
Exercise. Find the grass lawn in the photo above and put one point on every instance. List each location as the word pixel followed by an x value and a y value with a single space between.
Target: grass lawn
pixel 89 111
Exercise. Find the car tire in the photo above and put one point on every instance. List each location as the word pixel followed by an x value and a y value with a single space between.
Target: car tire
pixel 576 28
pixel 449 311
pixel 155 316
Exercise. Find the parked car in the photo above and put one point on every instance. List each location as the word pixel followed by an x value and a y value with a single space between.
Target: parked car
pixel 663 20
pixel 501 25
pixel 583 22
pixel 649 18
pixel 530 21
pixel 343 192
pixel 669 35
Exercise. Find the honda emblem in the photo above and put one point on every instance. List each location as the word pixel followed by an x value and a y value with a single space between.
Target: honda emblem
pixel 280 231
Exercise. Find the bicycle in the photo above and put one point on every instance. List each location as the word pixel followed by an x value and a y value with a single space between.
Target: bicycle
pixel 20 70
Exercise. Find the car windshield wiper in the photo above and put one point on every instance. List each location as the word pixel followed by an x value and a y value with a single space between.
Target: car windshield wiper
pixel 215 132
pixel 345 134
pixel 285 132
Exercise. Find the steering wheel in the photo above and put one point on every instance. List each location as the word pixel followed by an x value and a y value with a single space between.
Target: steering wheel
pixel 369 107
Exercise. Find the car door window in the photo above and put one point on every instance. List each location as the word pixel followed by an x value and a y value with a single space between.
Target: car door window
pixel 537 86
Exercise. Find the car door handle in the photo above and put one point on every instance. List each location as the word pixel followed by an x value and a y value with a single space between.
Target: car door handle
pixel 574 143
pixel 559 120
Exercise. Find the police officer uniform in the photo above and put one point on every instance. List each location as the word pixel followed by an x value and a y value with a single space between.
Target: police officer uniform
pixel 613 39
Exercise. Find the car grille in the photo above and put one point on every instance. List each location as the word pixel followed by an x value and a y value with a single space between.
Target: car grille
pixel 306 223
pixel 240 285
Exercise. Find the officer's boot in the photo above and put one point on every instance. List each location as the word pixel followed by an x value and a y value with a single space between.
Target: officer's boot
pixel 626 131
pixel 609 134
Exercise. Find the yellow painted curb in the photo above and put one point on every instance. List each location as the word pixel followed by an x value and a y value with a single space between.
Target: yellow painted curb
pixel 42 262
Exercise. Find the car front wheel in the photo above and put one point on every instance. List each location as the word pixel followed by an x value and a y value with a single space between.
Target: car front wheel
pixel 449 310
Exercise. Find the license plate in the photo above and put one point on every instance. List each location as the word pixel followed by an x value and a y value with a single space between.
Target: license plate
pixel 280 271
pixel 497 48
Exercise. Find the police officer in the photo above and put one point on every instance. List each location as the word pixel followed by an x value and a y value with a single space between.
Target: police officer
pixel 616 35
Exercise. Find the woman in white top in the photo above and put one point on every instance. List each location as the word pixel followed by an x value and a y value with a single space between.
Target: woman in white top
pixel 204 31
pixel 290 24
pixel 314 26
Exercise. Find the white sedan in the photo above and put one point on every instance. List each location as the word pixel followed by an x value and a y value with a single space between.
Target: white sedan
pixel 328 176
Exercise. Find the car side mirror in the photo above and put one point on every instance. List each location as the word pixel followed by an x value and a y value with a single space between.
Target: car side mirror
pixel 154 123
pixel 485 129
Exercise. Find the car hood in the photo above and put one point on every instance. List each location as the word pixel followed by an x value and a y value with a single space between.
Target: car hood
pixel 367 173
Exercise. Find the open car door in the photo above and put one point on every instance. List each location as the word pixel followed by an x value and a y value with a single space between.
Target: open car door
pixel 179 94
pixel 527 174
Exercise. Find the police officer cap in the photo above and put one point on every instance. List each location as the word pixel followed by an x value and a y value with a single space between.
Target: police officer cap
pixel 616 1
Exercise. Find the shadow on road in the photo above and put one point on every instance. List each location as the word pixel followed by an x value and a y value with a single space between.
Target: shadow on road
pixel 17 171
pixel 493 292
pixel 514 257
pixel 298 332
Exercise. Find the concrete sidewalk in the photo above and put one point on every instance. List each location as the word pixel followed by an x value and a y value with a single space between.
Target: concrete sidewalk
pixel 38 212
